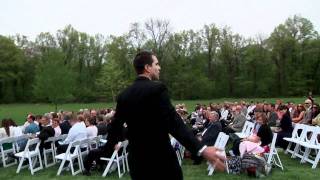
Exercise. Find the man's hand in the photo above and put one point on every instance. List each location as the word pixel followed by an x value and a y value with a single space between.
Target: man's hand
pixel 116 147
pixel 215 157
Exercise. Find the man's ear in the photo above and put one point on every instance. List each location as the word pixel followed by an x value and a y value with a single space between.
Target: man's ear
pixel 146 68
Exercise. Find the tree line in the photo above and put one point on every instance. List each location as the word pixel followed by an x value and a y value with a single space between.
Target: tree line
pixel 195 64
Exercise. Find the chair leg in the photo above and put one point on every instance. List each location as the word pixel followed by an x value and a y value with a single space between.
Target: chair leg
pixel 211 170
pixel 40 161
pixel 305 155
pixel 105 172
pixel 71 166
pixel 288 148
pixel 61 167
pixel 316 160
pixel 119 169
pixel 31 165
pixel 20 164
pixel 295 151
pixel 279 161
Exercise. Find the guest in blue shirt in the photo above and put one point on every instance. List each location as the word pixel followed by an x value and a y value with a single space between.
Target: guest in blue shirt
pixel 32 128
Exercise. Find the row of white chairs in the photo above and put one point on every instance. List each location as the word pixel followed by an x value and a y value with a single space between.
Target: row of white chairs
pixel 74 154
pixel 303 141
pixel 10 145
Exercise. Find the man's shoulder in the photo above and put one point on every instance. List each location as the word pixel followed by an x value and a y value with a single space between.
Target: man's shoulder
pixel 144 86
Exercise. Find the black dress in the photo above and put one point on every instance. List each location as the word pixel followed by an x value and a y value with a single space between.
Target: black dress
pixel 286 131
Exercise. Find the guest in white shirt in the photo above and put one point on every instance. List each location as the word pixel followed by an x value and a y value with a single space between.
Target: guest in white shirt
pixel 92 130
pixel 56 127
pixel 77 132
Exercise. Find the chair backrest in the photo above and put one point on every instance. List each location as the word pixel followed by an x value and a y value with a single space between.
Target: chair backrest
pixel 221 141
pixel 7 140
pixel 310 134
pixel 316 136
pixel 247 128
pixel 295 132
pixel 51 139
pixel 94 142
pixel 76 145
pixel 61 137
pixel 30 145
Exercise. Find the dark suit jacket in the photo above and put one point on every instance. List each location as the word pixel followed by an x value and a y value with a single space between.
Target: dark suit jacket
pixel 45 133
pixel 65 127
pixel 211 134
pixel 103 129
pixel 146 108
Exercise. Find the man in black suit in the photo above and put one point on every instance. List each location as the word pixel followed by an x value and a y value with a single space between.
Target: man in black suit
pixel 211 132
pixel 150 117
pixel 46 132
pixel 65 125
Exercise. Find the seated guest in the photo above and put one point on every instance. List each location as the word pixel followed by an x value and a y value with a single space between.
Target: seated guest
pixel 299 113
pixel 77 131
pixel 32 127
pixel 102 125
pixel 262 136
pixel 46 132
pixel 272 116
pixel 56 127
pixel 92 130
pixel 238 122
pixel 210 134
pixel 315 110
pixel 65 124
pixel 307 117
pixel 285 129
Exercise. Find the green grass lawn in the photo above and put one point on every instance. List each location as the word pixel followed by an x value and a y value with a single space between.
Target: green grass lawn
pixel 292 170
pixel 18 112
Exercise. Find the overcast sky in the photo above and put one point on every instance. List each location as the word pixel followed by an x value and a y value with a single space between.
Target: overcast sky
pixel 246 17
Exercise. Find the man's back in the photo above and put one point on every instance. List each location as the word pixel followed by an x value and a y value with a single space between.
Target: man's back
pixel 146 108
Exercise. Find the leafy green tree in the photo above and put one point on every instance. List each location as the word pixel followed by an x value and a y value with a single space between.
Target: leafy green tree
pixel 11 64
pixel 54 82
pixel 111 80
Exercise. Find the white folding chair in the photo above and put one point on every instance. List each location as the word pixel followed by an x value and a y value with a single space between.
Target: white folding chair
pixel 295 137
pixel 70 156
pixel 178 149
pixel 32 154
pixel 116 158
pixel 84 149
pixel 62 137
pixel 246 130
pixel 311 144
pixel 50 152
pixel 304 138
pixel 220 143
pixel 18 140
pixel 273 156
pixel 94 142
pixel 9 142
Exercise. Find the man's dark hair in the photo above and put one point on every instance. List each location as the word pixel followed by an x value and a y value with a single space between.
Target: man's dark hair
pixel 141 59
